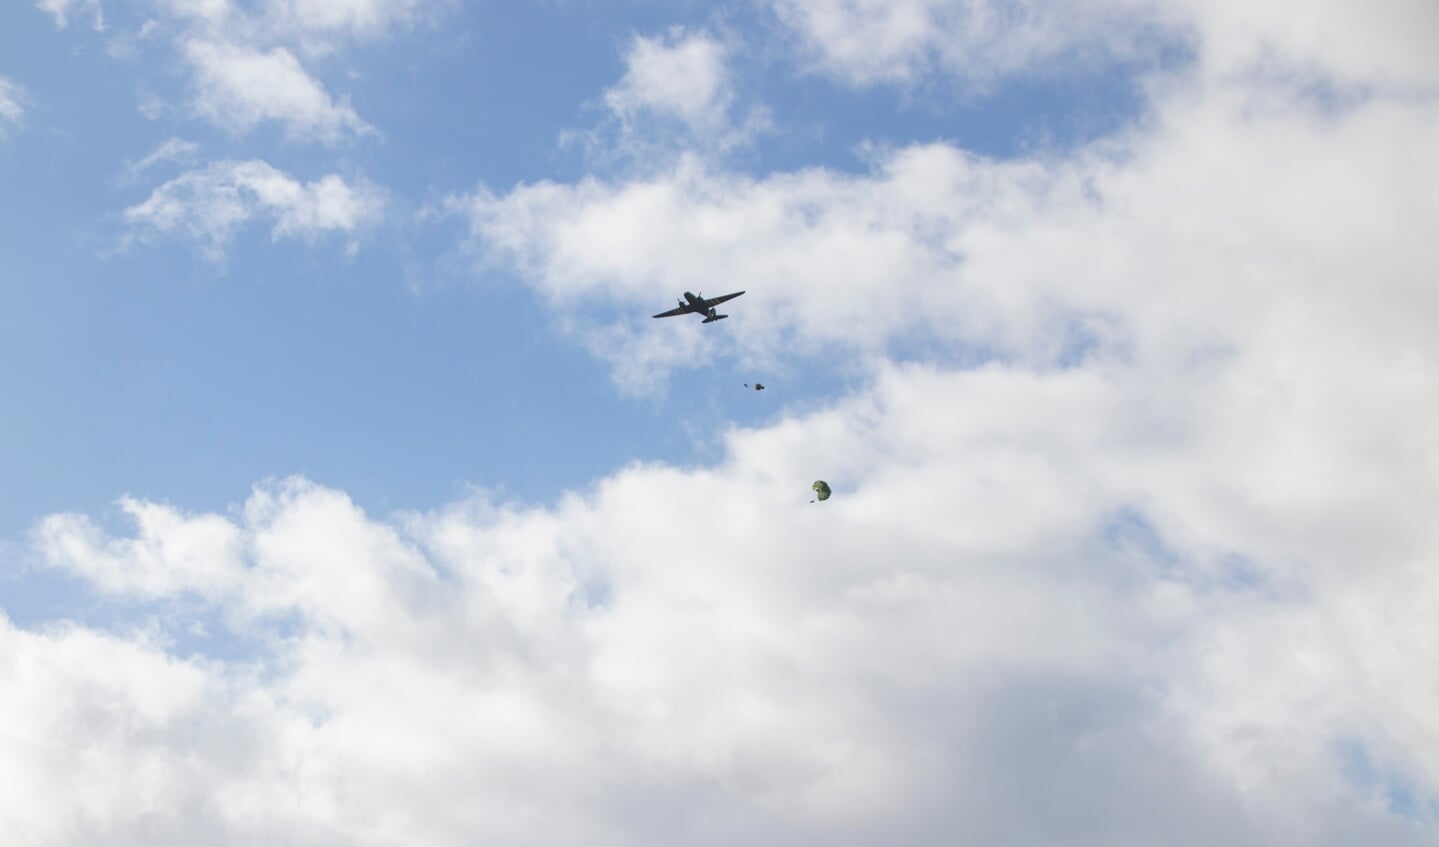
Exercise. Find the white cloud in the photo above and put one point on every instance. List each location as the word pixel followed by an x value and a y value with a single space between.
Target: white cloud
pixel 1160 574
pixel 827 258
pixel 979 624
pixel 209 205
pixel 170 150
pixel 171 553
pixel 311 26
pixel 677 94
pixel 254 63
pixel 240 88
pixel 351 18
pixel 681 75
pixel 873 41
pixel 1214 204
pixel 61 10
pixel 11 109
pixel 865 42
pixel 246 70
pixel 1177 585
pixel 95 742
pixel 1211 436
pixel 1389 42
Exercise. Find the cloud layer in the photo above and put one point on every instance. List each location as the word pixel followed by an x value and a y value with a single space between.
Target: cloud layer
pixel 979 42
pixel 1167 242
pixel 1132 538
pixel 866 42
pixel 1009 617
pixel 1158 571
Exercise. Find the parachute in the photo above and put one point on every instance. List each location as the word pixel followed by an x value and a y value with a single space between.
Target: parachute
pixel 821 489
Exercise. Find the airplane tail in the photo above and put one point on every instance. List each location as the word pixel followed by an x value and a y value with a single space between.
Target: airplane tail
pixel 713 318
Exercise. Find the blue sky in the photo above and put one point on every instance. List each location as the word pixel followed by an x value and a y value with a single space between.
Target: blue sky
pixel 349 488
pixel 211 374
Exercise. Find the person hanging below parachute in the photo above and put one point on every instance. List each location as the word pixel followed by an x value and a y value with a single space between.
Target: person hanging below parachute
pixel 821 490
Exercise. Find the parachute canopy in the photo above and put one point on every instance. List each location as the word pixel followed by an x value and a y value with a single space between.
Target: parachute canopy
pixel 821 489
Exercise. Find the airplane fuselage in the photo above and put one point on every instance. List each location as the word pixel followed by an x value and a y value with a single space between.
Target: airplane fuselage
pixel 698 304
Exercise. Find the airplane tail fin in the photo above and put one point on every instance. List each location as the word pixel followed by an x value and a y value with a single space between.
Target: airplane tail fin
pixel 713 318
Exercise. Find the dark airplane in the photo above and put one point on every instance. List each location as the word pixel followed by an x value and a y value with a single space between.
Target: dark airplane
pixel 692 305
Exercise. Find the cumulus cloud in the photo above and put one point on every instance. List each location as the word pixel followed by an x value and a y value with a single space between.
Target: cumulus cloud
pixel 11 110
pixel 98 716
pixel 1162 566
pixel 1009 617
pixel 1151 564
pixel 1387 43
pixel 866 42
pixel 1141 595
pixel 240 88
pixel 170 553
pixel 1153 238
pixel 1209 399
pixel 681 75
pixel 245 64
pixel 829 258
pixel 677 94
pixel 210 204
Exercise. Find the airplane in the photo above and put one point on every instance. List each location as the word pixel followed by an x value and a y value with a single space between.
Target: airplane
pixel 698 305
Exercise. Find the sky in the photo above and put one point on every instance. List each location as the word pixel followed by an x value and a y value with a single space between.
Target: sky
pixel 352 496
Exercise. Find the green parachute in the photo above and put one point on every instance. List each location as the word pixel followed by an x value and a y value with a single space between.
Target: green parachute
pixel 821 490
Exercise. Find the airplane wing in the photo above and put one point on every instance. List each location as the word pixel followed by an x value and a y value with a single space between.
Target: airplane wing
pixel 715 301
pixel 678 310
